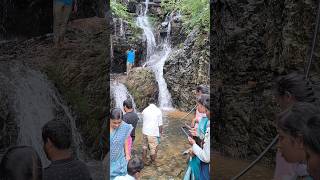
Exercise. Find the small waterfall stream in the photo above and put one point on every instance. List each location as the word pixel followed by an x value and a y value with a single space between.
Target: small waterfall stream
pixel 120 93
pixel 35 101
pixel 156 57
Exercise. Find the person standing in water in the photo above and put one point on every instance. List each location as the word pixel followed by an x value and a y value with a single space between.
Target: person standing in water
pixel 151 130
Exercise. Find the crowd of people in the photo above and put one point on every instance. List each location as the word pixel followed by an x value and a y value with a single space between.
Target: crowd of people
pixel 298 126
pixel 122 135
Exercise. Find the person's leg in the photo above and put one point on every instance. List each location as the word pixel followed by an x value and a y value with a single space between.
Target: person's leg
pixel 144 149
pixel 65 17
pixel 130 67
pixel 127 68
pixel 153 143
pixel 57 6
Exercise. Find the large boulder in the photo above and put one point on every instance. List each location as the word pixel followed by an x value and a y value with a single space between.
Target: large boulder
pixel 142 85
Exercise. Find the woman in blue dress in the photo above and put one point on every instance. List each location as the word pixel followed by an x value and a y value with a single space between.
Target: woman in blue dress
pixel 119 149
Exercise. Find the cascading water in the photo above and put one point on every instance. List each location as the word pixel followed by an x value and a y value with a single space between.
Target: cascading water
pixel 120 93
pixel 35 102
pixel 156 59
pixel 143 23
pixel 121 28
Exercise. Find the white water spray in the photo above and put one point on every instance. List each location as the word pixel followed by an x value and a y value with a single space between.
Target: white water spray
pixel 120 93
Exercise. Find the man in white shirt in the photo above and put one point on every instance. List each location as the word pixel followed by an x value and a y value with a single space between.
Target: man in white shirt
pixel 151 130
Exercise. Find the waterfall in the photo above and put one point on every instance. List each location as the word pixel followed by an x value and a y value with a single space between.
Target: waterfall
pixel 146 10
pixel 156 59
pixel 121 27
pixel 120 93
pixel 142 22
pixel 35 102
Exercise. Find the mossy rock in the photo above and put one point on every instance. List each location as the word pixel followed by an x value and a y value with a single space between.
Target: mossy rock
pixel 142 85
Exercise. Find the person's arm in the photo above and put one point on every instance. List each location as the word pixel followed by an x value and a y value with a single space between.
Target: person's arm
pixel 160 123
pixel 160 130
pixel 202 154
pixel 126 149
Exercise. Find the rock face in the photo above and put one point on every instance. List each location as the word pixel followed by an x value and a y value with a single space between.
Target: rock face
pixel 120 46
pixel 252 42
pixel 143 87
pixel 186 68
pixel 8 132
pixel 79 71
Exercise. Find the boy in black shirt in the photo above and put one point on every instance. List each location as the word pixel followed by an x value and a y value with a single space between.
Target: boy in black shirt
pixel 130 117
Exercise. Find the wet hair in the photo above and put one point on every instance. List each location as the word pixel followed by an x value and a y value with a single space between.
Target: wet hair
pixel 297 85
pixel 203 89
pixel 204 100
pixel 127 103
pixel 116 113
pixel 134 165
pixel 59 134
pixel 21 163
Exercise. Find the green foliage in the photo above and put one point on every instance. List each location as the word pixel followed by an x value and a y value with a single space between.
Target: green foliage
pixel 195 13
pixel 121 11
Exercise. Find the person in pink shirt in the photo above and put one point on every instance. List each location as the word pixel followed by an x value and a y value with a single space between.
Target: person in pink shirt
pixel 290 89
pixel 201 89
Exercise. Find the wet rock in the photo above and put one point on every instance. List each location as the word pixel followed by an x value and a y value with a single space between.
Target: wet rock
pixel 143 87
pixel 186 68
pixel 79 72
pixel 255 41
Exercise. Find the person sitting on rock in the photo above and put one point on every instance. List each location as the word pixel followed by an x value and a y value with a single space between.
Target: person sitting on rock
pixel 135 165
pixel 21 163
pixel 57 139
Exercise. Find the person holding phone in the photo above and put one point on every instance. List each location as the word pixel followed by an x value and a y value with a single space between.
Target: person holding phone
pixel 199 163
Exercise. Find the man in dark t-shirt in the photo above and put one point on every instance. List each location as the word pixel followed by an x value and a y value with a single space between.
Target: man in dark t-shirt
pixel 57 141
pixel 130 117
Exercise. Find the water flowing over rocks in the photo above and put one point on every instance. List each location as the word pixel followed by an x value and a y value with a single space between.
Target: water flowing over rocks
pixel 186 68
pixel 78 71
